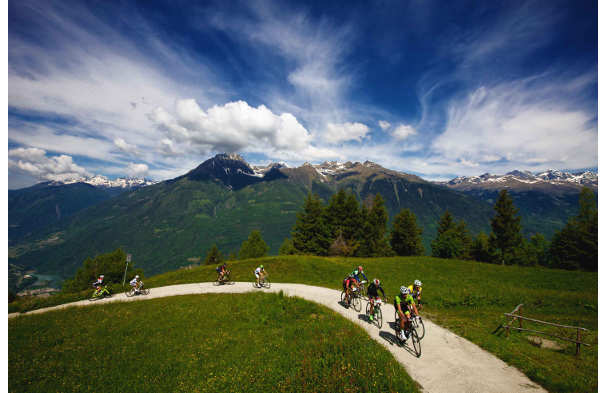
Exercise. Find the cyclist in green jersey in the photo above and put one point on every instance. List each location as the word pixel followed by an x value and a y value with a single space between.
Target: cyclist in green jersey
pixel 403 303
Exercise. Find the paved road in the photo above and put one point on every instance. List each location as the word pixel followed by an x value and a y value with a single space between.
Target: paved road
pixel 448 364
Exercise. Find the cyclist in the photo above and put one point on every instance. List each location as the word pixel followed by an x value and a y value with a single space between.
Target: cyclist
pixel 136 283
pixel 403 302
pixel 348 283
pixel 98 284
pixel 221 270
pixel 374 295
pixel 357 273
pixel 416 292
pixel 260 273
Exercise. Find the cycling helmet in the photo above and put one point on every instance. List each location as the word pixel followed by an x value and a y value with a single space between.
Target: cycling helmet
pixel 101 276
pixel 417 283
pixel 261 266
pixel 404 290
pixel 360 268
pixel 137 276
pixel 376 282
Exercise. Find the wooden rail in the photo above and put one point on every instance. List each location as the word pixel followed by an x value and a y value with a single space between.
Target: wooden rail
pixel 516 315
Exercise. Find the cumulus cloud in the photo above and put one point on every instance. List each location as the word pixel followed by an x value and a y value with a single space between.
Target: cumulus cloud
pixel 384 125
pixel 137 170
pixel 232 127
pixel 344 132
pixel 36 163
pixel 522 123
pixel 403 131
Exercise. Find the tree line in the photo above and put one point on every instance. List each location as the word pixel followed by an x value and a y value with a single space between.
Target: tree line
pixel 345 227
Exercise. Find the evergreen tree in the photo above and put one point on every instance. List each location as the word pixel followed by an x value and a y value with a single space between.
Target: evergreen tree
pixel 536 250
pixel 253 247
pixel 374 241
pixel 405 237
pixel 576 245
pixel 214 256
pixel 287 247
pixel 506 239
pixel 445 223
pixel 336 213
pixel 452 239
pixel 311 234
pixel 480 248
pixel 352 227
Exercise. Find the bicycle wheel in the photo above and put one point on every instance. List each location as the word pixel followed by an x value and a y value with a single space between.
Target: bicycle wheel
pixel 255 284
pixel 342 298
pixel 417 346
pixel 145 291
pixel 130 292
pixel 419 326
pixel 356 303
pixel 266 283
pixel 379 320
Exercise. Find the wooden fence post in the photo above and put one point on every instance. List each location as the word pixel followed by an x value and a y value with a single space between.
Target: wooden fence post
pixel 520 321
pixel 577 344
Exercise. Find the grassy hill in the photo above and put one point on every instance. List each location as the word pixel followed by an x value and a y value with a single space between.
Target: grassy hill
pixel 466 297
pixel 204 343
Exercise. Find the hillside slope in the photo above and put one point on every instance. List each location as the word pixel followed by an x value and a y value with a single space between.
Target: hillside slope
pixel 174 223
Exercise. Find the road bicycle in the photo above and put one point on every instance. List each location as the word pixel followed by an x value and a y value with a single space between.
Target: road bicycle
pixel 377 315
pixel 418 323
pixel 101 293
pixel 263 283
pixel 355 301
pixel 224 280
pixel 411 332
pixel 132 291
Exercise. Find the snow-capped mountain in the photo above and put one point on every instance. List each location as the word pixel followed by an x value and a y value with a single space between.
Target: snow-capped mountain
pixel 525 179
pixel 104 182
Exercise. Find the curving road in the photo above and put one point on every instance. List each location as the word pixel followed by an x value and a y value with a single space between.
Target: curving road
pixel 448 363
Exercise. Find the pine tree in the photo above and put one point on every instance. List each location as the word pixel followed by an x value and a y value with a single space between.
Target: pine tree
pixel 506 239
pixel 576 245
pixel 352 227
pixel 480 249
pixel 287 248
pixel 336 213
pixel 405 237
pixel 253 247
pixel 311 233
pixel 452 239
pixel 214 256
pixel 374 241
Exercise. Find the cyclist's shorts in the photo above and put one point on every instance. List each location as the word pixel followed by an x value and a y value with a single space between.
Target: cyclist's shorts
pixel 374 298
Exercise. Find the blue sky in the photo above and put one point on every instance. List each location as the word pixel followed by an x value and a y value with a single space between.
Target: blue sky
pixel 439 89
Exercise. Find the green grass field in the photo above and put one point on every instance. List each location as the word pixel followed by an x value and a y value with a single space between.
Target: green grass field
pixel 199 343
pixel 466 297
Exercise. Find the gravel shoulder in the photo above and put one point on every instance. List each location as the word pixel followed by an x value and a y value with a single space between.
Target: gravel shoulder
pixel 448 363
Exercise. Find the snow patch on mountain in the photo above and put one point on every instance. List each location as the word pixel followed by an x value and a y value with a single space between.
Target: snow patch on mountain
pixel 103 182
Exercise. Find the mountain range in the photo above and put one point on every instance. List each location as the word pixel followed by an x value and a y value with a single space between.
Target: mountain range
pixel 170 224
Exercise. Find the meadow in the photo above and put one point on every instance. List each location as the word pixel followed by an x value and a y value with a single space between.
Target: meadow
pixel 199 343
pixel 467 297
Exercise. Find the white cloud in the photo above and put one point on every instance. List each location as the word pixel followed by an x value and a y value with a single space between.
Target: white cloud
pixel 125 147
pixel 137 170
pixel 232 127
pixel 384 125
pixel 34 162
pixel 344 132
pixel 403 131
pixel 521 123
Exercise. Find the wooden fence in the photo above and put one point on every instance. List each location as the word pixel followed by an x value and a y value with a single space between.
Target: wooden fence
pixel 516 314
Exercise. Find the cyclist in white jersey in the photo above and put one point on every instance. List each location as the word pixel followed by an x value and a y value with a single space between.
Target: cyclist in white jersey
pixel 136 283
pixel 259 273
